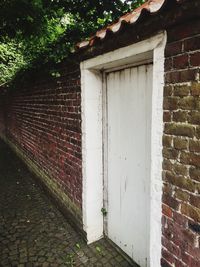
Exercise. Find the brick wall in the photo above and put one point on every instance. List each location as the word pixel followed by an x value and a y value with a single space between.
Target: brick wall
pixel 181 148
pixel 43 119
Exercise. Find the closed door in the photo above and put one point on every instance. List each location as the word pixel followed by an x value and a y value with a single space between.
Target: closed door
pixel 129 94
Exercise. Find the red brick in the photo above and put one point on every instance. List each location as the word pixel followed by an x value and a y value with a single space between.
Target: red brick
pixel 184 30
pixel 192 44
pixel 44 119
pixel 194 252
pixel 168 64
pixel 167 211
pixel 181 62
pixel 170 201
pixel 195 201
pixel 173 49
pixel 190 159
pixel 167 116
pixel 171 247
pixel 195 59
pixel 180 219
pixel 181 76
pixel 167 256
pixel 179 263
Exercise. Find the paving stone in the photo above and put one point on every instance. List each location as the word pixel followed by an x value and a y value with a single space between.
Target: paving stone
pixel 33 232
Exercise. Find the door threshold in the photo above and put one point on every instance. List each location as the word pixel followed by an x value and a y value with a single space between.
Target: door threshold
pixel 122 253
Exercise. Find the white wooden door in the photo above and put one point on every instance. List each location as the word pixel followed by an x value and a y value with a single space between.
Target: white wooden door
pixel 129 94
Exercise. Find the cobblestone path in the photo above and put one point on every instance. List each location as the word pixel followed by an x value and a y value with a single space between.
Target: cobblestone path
pixel 33 232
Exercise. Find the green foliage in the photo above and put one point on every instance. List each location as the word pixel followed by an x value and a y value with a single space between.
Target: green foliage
pixel 69 259
pixel 98 249
pixel 78 246
pixel 36 32
pixel 11 59
pixel 104 212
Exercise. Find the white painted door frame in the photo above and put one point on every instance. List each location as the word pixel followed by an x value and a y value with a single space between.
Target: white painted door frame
pixel 151 49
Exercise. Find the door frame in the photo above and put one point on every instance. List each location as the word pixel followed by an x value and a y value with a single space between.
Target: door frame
pixel 93 112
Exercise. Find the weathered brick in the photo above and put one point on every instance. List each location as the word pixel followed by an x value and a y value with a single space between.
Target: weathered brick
pixel 168 64
pixel 167 189
pixel 187 103
pixel 168 90
pixel 192 44
pixel 194 117
pixel 168 257
pixel 180 169
pixel 194 146
pixel 191 212
pixel 181 195
pixel 180 143
pixel 170 201
pixel 171 247
pixel 189 29
pixel 195 59
pixel 170 153
pixel 197 103
pixel 197 132
pixel 173 49
pixel 167 211
pixel 187 259
pixel 181 76
pixel 180 116
pixel 180 219
pixel 181 61
pixel 195 89
pixel 190 159
pixel 179 129
pixel 167 116
pixel 195 201
pixel 164 263
pixel 179 263
pixel 170 103
pixel 195 173
pixel 194 252
pixel 183 90
pixel 167 140
pixel 167 165
pixel 180 181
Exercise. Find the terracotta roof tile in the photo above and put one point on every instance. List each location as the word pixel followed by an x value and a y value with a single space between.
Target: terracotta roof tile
pixel 151 6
